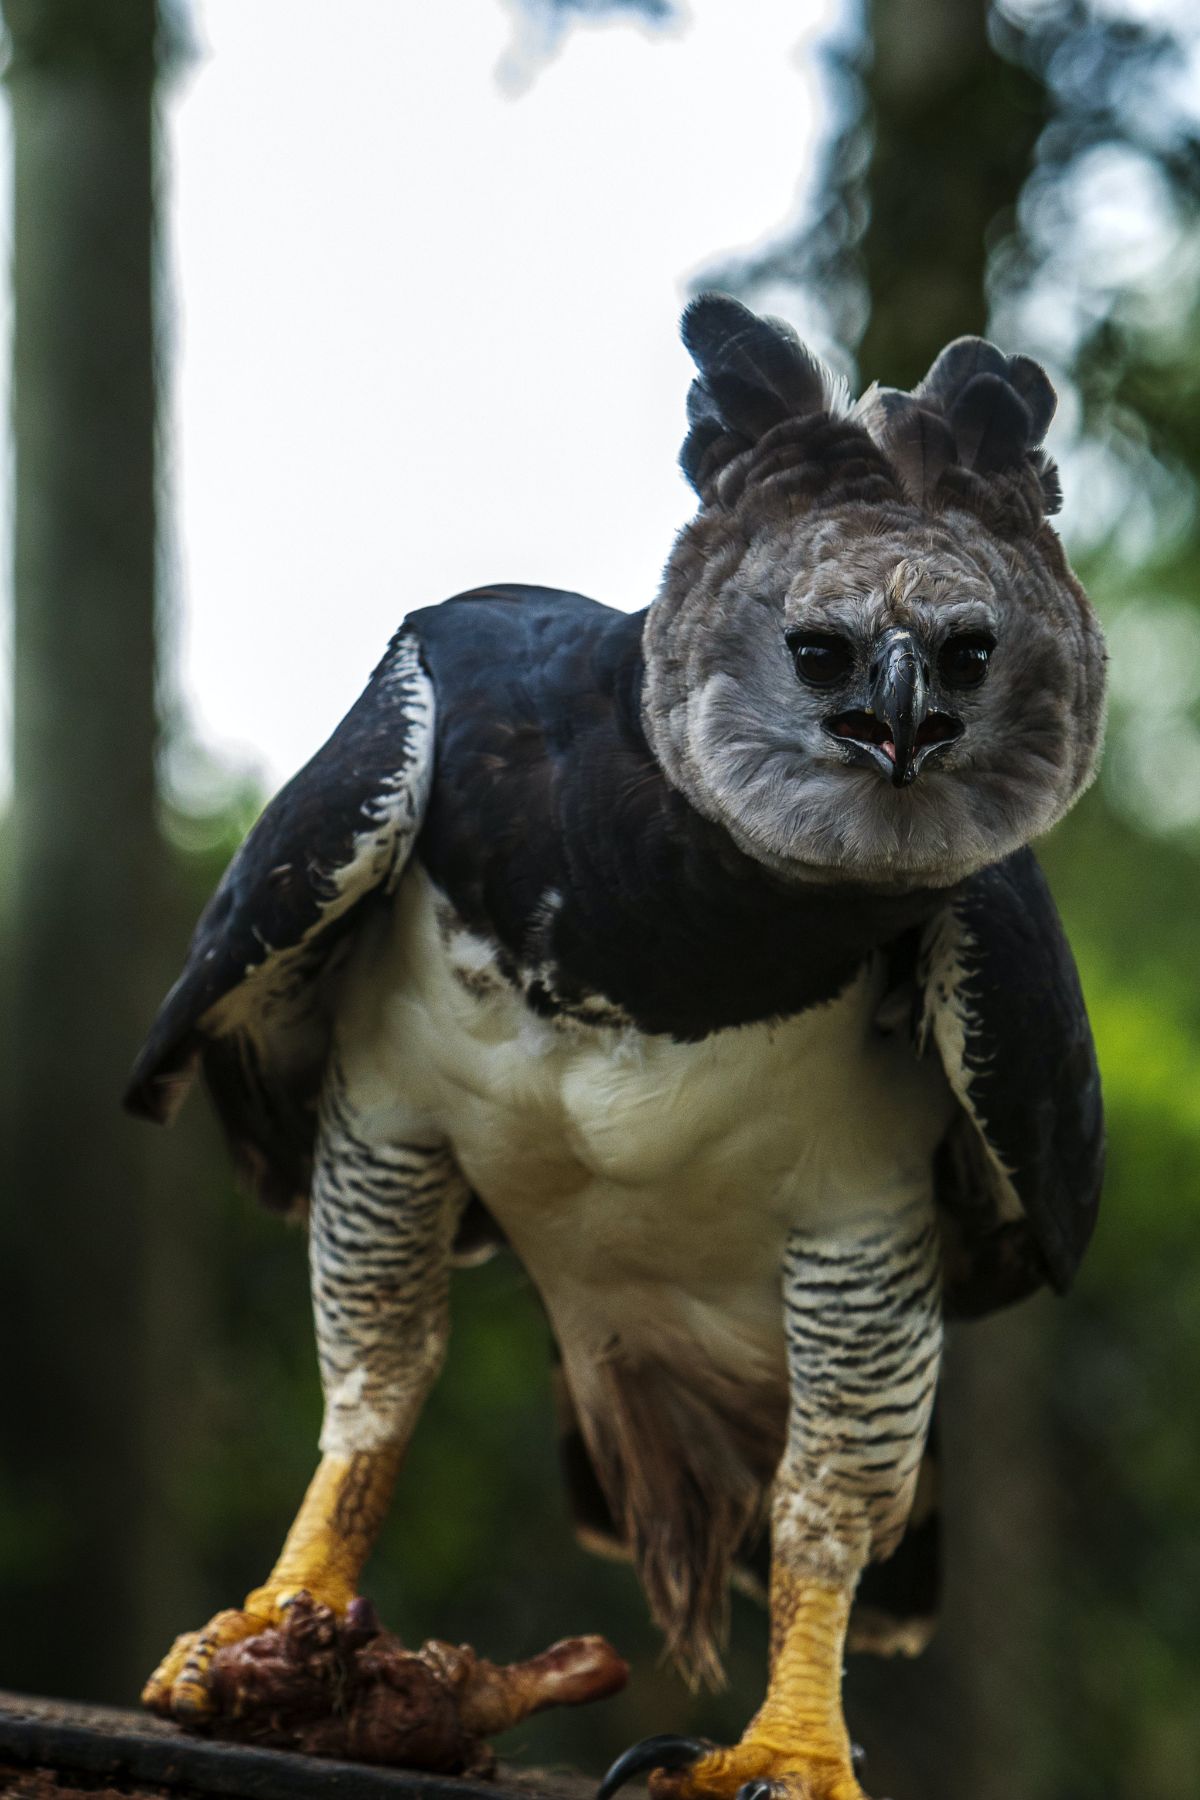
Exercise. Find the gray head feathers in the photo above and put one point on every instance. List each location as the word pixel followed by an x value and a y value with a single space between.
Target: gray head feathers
pixel 978 412
pixel 824 531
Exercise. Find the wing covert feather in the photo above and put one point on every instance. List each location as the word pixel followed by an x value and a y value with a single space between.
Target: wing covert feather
pixel 1021 1172
pixel 250 998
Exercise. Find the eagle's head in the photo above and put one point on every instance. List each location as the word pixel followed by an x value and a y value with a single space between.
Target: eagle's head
pixel 870 660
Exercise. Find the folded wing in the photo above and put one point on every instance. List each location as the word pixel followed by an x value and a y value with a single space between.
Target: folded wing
pixel 1020 1172
pixel 253 1005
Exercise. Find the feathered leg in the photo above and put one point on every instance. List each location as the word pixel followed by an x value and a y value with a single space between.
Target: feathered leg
pixel 863 1323
pixel 382 1223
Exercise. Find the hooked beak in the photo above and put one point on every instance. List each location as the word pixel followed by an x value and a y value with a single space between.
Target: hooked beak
pixel 896 730
pixel 899 696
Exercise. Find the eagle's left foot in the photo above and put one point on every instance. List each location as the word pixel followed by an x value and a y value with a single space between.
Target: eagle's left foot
pixel 759 1768
pixel 796 1747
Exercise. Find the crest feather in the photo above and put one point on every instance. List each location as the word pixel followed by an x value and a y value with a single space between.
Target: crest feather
pixel 976 408
pixel 991 425
pixel 753 373
pixel 917 441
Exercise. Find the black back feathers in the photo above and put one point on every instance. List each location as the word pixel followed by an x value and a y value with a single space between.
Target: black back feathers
pixel 753 373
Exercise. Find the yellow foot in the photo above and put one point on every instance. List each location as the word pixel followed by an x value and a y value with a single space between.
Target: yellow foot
pixel 323 1557
pixel 755 1769
pixel 179 1688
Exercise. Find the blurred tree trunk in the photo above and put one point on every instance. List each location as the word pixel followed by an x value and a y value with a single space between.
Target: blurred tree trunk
pixel 86 881
pixel 953 129
pixel 1002 1535
pixel 975 1715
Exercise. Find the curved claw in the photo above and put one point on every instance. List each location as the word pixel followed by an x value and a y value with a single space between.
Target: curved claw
pixel 663 1752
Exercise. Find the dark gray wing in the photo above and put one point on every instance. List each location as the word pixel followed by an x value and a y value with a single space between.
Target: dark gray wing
pixel 1020 1172
pixel 253 1004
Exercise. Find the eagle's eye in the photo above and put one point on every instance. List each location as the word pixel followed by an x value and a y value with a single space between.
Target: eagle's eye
pixel 820 657
pixel 963 661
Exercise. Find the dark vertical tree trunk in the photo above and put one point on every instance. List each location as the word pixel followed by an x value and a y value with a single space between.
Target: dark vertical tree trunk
pixel 1002 1540
pixel 86 880
pixel 953 132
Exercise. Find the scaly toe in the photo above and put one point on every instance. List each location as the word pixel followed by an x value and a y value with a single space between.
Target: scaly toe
pixel 732 1775
pixel 179 1687
pixel 814 1784
pixel 157 1692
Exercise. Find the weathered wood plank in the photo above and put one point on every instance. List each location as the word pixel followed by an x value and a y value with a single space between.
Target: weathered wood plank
pixel 128 1748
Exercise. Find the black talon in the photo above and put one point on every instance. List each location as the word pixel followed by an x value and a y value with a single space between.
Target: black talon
pixel 663 1752
pixel 754 1790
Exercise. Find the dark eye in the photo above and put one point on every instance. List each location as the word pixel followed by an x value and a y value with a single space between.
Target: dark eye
pixel 820 658
pixel 963 661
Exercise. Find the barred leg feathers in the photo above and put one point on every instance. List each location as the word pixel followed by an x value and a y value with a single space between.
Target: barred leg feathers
pixel 382 1226
pixel 895 1609
pixel 862 1316
pixel 863 1319
pixel 382 1223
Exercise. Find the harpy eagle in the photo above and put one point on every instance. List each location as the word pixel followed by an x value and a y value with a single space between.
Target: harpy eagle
pixel 701 950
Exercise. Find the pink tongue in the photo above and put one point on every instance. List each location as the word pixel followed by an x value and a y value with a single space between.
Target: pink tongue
pixel 889 749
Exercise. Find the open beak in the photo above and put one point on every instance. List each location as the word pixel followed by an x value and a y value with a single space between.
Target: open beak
pixel 896 727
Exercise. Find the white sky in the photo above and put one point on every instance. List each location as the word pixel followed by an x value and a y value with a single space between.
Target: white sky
pixel 422 322
pixel 424 326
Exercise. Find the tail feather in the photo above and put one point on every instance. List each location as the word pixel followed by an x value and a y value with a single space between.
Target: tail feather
pixel 693 1530
pixel 679 1474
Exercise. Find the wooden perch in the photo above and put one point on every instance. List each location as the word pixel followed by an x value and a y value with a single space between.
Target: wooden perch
pixel 56 1750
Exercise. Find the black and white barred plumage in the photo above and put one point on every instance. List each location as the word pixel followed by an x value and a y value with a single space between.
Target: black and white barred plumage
pixel 611 926
pixel 863 1322
pixel 381 1227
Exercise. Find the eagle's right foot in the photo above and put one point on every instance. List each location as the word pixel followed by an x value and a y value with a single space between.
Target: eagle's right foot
pixel 178 1688
pixel 181 1686
pixel 323 1557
